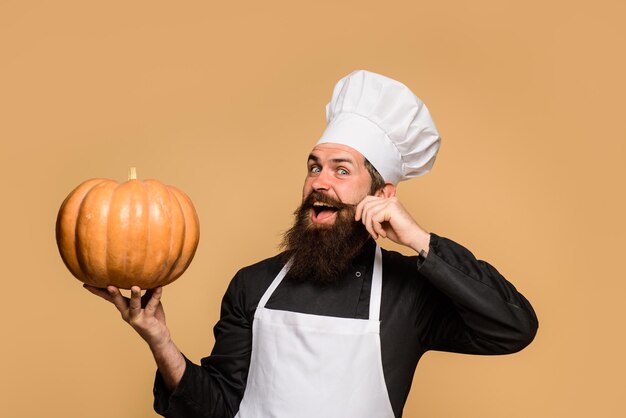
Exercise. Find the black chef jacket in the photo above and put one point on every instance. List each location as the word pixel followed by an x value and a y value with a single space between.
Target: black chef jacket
pixel 449 301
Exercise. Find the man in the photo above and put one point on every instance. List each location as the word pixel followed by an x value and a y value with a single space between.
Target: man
pixel 334 326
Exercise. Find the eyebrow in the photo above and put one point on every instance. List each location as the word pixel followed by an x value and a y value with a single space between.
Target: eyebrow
pixel 315 159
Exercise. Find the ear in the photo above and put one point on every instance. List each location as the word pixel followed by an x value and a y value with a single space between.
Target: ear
pixel 388 190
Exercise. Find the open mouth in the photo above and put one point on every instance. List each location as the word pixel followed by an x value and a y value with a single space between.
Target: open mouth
pixel 322 211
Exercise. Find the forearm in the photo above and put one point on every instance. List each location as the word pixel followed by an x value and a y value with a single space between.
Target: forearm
pixel 169 361
pixel 215 387
pixel 486 315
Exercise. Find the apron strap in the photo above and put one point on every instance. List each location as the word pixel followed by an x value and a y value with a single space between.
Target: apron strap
pixel 377 285
pixel 375 294
pixel 274 285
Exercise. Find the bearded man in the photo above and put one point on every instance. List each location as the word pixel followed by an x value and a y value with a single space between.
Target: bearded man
pixel 334 326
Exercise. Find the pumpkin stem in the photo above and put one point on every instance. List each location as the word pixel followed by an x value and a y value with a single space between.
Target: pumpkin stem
pixel 132 173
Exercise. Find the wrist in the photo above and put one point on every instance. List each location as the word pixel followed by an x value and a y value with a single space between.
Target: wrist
pixel 421 243
pixel 159 343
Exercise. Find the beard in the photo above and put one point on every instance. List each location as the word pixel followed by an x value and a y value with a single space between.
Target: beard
pixel 323 253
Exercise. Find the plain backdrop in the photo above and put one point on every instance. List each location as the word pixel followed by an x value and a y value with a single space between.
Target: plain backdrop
pixel 226 100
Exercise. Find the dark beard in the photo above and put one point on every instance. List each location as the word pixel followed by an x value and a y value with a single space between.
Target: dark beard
pixel 323 253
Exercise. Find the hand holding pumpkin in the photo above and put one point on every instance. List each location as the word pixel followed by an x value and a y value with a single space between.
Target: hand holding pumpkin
pixel 147 317
pixel 132 235
pixel 144 313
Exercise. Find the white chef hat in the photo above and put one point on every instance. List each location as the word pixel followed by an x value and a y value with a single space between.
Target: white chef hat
pixel 383 120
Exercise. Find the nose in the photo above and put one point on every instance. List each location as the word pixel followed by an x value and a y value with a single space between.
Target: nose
pixel 321 181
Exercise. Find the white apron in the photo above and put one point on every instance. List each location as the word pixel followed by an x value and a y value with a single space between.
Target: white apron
pixel 312 366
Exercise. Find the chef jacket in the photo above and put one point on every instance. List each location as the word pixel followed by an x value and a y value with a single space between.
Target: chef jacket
pixel 447 301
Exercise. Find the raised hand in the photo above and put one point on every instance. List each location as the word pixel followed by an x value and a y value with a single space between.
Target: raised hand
pixel 386 217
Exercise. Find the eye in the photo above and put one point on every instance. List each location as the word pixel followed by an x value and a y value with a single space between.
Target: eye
pixel 314 169
pixel 343 171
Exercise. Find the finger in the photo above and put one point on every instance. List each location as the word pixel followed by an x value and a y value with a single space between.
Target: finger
pixel 371 212
pixel 135 301
pixel 368 224
pixel 372 205
pixel 361 206
pixel 359 210
pixel 365 215
pixel 120 302
pixel 155 299
pixel 99 292
pixel 364 209
pixel 377 223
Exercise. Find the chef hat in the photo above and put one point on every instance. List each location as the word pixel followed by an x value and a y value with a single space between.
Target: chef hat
pixel 383 120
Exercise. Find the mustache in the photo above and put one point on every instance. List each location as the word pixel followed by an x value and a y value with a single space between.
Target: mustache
pixel 318 197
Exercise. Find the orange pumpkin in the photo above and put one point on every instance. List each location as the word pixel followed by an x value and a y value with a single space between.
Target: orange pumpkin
pixel 138 233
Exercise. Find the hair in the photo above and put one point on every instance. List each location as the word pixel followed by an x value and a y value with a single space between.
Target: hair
pixel 378 182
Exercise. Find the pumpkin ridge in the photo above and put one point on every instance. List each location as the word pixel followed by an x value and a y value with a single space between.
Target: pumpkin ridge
pixel 170 248
pixel 106 242
pixel 149 224
pixel 158 240
pixel 120 236
pixel 147 240
pixel 173 197
pixel 79 253
pixel 66 228
pixel 190 244
pixel 108 229
pixel 86 258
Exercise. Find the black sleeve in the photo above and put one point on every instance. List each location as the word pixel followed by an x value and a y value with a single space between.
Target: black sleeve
pixel 214 388
pixel 471 308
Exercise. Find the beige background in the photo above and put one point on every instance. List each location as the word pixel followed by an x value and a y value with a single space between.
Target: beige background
pixel 226 101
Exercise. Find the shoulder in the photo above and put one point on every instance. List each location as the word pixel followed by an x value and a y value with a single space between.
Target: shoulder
pixel 262 270
pixel 247 287
pixel 250 282
pixel 397 263
pixel 402 278
pixel 268 266
pixel 401 273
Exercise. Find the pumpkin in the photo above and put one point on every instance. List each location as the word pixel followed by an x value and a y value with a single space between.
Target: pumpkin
pixel 137 233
